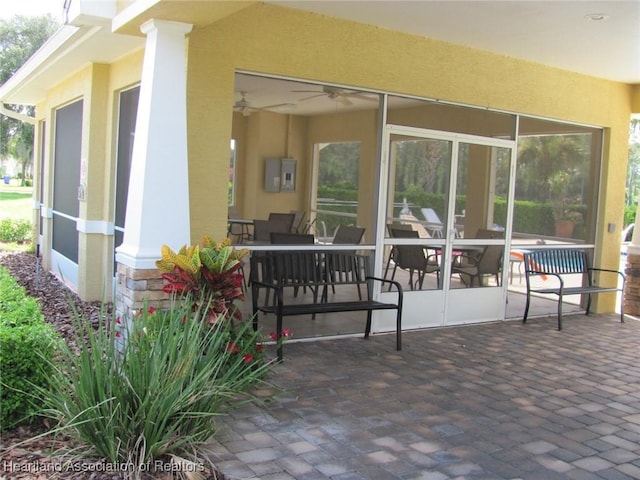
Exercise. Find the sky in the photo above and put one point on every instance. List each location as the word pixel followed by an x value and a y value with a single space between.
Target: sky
pixel 9 8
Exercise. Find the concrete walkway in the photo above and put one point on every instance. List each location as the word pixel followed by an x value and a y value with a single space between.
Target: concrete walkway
pixel 494 401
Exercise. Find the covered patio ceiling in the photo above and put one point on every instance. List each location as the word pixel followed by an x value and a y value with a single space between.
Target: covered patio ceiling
pixel 596 38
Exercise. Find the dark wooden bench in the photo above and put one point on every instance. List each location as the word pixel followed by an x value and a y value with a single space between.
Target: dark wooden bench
pixel 555 263
pixel 315 272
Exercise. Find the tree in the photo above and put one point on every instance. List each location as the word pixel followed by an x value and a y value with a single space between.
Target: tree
pixel 20 37
pixel 633 173
pixel 633 167
pixel 339 164
pixel 540 158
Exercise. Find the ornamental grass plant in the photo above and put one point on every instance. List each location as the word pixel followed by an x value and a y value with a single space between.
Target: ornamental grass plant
pixel 153 397
pixel 141 393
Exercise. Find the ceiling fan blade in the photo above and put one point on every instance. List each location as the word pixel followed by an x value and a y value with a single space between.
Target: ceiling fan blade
pixel 244 109
pixel 312 96
pixel 245 112
pixel 362 96
pixel 277 105
pixel 344 100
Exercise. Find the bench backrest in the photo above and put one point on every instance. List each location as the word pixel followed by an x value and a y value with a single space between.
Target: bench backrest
pixel 310 268
pixel 556 261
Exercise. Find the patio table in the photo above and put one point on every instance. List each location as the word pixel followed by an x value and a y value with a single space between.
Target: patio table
pixel 244 224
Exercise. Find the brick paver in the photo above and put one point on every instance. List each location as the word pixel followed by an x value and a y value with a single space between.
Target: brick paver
pixel 494 401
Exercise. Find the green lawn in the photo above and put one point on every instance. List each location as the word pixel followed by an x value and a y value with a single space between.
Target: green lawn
pixel 16 202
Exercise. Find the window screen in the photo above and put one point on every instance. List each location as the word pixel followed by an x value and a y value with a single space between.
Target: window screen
pixel 66 178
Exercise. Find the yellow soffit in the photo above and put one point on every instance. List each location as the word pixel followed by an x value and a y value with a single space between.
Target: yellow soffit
pixel 195 12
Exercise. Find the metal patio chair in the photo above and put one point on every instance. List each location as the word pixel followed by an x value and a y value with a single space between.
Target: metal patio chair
pixel 413 258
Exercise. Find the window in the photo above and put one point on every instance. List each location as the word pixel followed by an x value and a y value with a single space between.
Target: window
pixel 336 199
pixel 127 115
pixel 232 174
pixel 556 180
pixel 66 176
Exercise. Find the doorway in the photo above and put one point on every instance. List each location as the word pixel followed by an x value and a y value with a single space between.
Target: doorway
pixel 446 207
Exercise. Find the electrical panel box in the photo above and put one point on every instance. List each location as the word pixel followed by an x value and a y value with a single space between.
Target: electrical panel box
pixel 272 172
pixel 279 175
pixel 288 175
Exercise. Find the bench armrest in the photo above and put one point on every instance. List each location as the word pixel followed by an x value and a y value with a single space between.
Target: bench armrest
pixel 260 283
pixel 607 270
pixel 384 280
pixel 529 272
pixel 593 269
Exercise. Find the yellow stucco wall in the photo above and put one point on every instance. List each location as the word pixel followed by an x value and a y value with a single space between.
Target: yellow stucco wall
pixel 92 248
pixel 98 85
pixel 635 99
pixel 268 135
pixel 274 40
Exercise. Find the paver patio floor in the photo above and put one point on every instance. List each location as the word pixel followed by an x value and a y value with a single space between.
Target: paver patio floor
pixel 491 401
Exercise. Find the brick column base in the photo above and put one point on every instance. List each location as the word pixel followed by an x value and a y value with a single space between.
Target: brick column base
pixel 135 287
pixel 632 285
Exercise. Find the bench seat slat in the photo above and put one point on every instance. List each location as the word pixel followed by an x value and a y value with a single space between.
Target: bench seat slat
pixel 331 307
pixel 575 290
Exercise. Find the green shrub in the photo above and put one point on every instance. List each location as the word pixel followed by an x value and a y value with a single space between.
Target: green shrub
pixel 25 341
pixel 630 214
pixel 13 230
pixel 155 394
pixel 529 217
pixel 16 308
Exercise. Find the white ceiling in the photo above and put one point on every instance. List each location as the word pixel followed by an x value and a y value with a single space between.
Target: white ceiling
pixel 552 32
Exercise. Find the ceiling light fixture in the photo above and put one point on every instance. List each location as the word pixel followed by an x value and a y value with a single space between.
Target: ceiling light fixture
pixel 597 17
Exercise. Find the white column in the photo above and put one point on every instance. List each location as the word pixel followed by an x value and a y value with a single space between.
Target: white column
pixel 158 199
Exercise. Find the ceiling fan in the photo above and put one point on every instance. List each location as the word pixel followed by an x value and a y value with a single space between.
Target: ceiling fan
pixel 242 106
pixel 338 94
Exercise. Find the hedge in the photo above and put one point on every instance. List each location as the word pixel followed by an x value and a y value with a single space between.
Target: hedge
pixel 25 341
pixel 529 217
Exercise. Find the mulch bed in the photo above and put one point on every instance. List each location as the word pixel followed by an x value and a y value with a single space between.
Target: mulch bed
pixel 21 457
pixel 55 299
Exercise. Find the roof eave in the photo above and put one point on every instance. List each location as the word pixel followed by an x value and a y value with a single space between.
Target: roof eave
pixel 16 89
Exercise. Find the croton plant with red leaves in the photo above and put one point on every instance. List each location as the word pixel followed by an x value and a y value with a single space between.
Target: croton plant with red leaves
pixel 209 274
